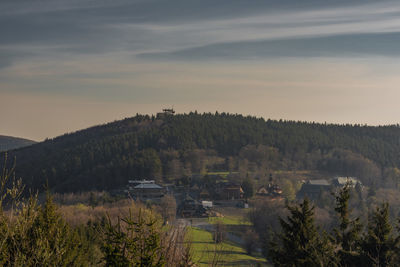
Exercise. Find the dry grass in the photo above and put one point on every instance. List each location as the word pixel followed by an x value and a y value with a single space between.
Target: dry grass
pixel 80 213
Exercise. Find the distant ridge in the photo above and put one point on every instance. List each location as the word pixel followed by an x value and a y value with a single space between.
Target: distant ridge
pixel 170 147
pixel 10 142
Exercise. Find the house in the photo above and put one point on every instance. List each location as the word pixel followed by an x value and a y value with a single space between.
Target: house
pixel 191 207
pixel 145 189
pixel 313 188
pixel 342 181
pixel 133 183
pixel 230 191
pixel 262 191
pixel 271 190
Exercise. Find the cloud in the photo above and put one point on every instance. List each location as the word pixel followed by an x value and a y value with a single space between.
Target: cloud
pixel 356 45
pixel 10 55
pixel 264 57
pixel 139 27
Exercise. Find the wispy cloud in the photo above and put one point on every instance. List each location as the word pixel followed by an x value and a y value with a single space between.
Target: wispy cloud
pixel 310 60
pixel 141 27
pixel 292 26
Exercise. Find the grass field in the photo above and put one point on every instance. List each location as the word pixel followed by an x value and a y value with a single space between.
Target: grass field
pixel 229 220
pixel 206 252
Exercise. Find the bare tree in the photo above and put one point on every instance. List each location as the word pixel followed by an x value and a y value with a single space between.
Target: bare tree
pixel 168 208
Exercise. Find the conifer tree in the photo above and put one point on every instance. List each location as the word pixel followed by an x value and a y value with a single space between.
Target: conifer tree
pixel 347 235
pixel 114 245
pixel 379 246
pixel 299 243
pixel 133 242
pixel 34 235
pixel 62 242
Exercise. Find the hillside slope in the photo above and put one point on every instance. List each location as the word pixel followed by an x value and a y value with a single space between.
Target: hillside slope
pixel 106 156
pixel 9 142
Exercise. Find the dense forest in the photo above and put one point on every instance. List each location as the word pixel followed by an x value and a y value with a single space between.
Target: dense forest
pixel 170 148
pixel 9 142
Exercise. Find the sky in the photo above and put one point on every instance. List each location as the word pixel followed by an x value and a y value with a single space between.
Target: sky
pixel 71 64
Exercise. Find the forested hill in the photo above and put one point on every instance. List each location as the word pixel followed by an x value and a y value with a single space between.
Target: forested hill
pixel 106 156
pixel 9 142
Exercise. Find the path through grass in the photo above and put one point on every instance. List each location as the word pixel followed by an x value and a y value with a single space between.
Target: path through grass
pixel 206 252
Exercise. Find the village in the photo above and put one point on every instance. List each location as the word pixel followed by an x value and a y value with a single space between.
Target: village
pixel 200 194
pixel 199 200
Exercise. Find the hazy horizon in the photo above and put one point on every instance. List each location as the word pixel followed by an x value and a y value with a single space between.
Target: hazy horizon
pixel 69 65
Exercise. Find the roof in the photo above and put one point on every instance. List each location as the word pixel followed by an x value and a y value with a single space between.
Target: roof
pixel 141 181
pixel 262 189
pixel 344 180
pixel 147 186
pixel 322 182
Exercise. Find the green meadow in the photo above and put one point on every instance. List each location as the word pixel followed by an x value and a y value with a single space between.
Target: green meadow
pixel 207 253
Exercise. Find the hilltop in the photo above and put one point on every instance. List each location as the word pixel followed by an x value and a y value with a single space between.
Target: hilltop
pixel 175 147
pixel 10 142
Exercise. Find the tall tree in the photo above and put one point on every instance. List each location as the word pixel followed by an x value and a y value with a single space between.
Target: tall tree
pixel 347 235
pixel 133 242
pixel 379 246
pixel 299 243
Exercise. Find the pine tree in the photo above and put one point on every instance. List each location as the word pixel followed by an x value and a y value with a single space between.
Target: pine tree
pixel 133 242
pixel 299 243
pixel 113 247
pixel 347 235
pixel 38 236
pixel 379 246
pixel 62 243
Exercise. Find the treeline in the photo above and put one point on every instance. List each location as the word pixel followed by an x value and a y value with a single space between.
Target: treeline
pixel 351 243
pixel 174 147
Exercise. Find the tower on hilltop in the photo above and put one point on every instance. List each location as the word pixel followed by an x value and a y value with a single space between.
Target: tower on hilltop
pixel 166 112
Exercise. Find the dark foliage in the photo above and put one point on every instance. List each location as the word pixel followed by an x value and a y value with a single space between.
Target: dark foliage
pixel 298 243
pixel 104 157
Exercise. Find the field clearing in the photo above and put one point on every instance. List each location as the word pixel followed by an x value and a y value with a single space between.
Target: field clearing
pixel 206 252
pixel 229 220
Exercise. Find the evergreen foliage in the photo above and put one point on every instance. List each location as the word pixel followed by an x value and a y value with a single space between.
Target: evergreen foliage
pixel 299 243
pixel 133 242
pixel 379 246
pixel 347 235
pixel 38 236
pixel 104 157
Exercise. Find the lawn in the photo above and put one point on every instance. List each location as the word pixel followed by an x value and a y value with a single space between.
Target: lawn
pixel 229 220
pixel 206 252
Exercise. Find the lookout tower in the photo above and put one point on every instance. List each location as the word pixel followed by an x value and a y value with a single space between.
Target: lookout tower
pixel 168 111
pixel 165 112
